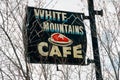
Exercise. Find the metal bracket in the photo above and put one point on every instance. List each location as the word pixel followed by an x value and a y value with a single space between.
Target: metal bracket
pixel 57 67
pixel 98 12
pixel 90 61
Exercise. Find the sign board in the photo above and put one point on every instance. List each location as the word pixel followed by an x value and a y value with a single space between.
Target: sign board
pixel 55 37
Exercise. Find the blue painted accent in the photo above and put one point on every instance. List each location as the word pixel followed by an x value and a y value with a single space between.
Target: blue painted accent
pixel 47 30
pixel 36 17
pixel 58 19
pixel 54 19
pixel 42 17
pixel 76 33
pixel 52 30
pixel 81 33
pixel 50 18
pixel 65 20
pixel 46 18
pixel 69 32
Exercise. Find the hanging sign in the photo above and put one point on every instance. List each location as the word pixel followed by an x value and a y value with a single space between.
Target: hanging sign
pixel 55 37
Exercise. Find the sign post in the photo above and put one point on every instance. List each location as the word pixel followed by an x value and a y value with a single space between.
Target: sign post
pixel 91 17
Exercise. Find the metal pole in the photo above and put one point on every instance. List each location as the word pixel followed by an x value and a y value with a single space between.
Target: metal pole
pixel 92 14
